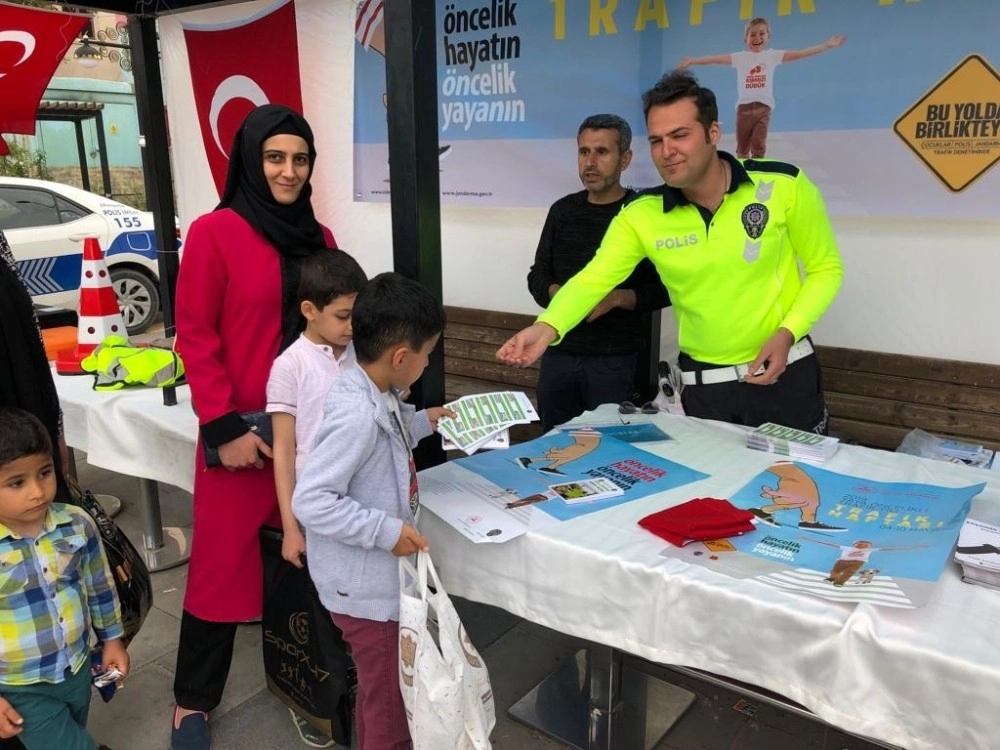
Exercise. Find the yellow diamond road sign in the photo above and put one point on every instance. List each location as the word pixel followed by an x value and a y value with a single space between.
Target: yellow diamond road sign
pixel 955 127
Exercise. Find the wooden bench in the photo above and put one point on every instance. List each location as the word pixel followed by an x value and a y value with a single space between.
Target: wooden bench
pixel 874 398
pixel 471 340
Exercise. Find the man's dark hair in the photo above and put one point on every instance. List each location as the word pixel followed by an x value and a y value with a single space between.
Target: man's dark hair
pixel 328 274
pixel 609 122
pixel 393 310
pixel 21 434
pixel 680 84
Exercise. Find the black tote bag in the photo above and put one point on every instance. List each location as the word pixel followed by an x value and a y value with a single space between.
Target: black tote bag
pixel 305 657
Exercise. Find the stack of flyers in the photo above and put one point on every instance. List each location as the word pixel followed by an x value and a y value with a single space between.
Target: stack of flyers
pixel 797 444
pixel 586 490
pixel 978 552
pixel 483 419
pixel 966 453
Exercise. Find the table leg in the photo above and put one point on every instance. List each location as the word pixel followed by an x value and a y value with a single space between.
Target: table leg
pixel 593 702
pixel 71 469
pixel 163 548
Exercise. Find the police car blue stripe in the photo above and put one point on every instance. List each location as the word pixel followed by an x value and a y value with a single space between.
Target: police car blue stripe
pixel 52 274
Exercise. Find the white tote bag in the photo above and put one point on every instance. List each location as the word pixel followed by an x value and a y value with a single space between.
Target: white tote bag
pixel 443 679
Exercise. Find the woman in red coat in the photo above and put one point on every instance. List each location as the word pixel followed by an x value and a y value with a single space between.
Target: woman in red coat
pixel 237 309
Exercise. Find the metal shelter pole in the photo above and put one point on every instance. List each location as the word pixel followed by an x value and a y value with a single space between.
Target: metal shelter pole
pixel 411 86
pixel 81 151
pixel 156 164
pixel 102 150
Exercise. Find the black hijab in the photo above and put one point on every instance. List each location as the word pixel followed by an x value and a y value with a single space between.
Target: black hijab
pixel 291 229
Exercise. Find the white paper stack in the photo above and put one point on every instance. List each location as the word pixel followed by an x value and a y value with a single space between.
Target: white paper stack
pixel 978 552
pixel 787 441
pixel 483 420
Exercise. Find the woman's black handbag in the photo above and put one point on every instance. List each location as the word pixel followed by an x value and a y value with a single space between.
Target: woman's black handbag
pixel 258 422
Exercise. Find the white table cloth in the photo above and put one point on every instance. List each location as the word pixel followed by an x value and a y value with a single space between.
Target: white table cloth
pixel 130 431
pixel 920 679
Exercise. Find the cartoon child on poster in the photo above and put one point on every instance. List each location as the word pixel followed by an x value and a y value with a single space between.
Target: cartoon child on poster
pixel 852 558
pixel 755 82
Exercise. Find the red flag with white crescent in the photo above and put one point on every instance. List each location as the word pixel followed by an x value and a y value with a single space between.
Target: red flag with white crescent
pixel 236 67
pixel 32 44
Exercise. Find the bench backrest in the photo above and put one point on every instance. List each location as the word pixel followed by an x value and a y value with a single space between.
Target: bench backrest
pixel 874 398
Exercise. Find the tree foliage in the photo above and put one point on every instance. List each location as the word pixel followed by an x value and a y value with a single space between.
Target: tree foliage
pixel 23 161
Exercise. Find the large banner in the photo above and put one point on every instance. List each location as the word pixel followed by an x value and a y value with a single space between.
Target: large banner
pixel 891 106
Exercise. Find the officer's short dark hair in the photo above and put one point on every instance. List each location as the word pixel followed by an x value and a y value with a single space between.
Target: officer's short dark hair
pixel 609 122
pixel 21 434
pixel 328 274
pixel 392 310
pixel 680 84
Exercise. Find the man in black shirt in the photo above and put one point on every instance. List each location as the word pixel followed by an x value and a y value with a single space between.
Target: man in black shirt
pixel 595 362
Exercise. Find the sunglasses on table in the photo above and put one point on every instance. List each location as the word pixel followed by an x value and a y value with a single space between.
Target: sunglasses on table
pixel 627 407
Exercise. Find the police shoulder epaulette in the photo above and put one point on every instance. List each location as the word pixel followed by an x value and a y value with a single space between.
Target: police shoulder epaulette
pixel 645 193
pixel 770 165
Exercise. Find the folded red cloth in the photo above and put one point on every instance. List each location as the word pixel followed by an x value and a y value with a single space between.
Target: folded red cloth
pixel 699 519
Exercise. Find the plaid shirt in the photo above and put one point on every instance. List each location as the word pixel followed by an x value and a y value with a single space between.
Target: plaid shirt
pixel 52 590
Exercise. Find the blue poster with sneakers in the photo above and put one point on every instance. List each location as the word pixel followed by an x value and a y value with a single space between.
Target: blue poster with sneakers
pixel 541 472
pixel 496 496
pixel 840 537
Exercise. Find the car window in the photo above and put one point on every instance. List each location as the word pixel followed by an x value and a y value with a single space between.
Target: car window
pixel 26 207
pixel 69 211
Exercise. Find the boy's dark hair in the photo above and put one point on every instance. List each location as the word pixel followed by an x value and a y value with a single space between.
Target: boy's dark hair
pixel 393 310
pixel 609 122
pixel 21 434
pixel 680 84
pixel 329 274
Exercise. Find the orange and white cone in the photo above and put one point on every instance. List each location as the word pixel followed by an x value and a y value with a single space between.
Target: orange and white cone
pixel 98 314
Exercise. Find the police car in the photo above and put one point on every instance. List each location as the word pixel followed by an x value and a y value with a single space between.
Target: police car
pixel 45 224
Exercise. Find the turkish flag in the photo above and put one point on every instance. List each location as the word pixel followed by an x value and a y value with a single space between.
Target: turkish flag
pixel 32 43
pixel 235 69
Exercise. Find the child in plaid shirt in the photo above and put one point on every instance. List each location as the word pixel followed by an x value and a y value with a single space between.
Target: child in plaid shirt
pixel 55 585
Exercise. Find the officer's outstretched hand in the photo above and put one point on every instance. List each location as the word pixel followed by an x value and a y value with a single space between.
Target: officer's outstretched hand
pixel 526 346
pixel 773 357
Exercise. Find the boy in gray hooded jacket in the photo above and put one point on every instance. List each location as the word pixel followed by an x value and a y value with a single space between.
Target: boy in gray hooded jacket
pixel 357 496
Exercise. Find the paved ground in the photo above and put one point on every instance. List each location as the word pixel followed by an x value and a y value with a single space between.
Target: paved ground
pixel 519 655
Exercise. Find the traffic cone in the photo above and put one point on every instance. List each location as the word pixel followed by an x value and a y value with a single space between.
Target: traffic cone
pixel 98 314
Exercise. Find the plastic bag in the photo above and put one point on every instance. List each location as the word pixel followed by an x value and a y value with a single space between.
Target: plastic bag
pixel 917 442
pixel 305 657
pixel 443 679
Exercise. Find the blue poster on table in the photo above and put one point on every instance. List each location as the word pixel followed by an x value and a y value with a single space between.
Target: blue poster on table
pixel 841 537
pixel 555 473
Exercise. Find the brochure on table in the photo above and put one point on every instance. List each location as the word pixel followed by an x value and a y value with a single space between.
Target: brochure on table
pixel 498 496
pixel 839 537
